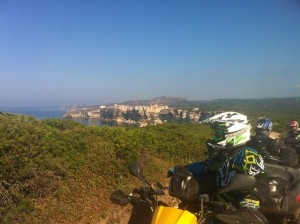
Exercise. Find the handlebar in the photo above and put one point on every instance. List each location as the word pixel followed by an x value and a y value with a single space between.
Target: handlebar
pixel 145 192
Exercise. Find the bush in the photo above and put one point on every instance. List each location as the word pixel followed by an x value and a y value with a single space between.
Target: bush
pixel 51 169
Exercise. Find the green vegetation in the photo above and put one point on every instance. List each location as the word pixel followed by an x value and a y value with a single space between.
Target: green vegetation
pixel 58 171
pixel 51 169
pixel 280 110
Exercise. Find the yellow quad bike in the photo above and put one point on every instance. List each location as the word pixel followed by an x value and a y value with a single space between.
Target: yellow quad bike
pixel 147 208
pixel 281 207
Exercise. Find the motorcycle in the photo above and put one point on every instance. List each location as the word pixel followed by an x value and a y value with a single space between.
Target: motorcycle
pixel 147 208
pixel 282 206
pixel 143 199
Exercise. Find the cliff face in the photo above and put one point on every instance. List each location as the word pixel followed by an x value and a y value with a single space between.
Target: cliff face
pixel 142 115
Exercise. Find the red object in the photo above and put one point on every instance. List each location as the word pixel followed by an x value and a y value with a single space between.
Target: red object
pixel 298 198
pixel 294 124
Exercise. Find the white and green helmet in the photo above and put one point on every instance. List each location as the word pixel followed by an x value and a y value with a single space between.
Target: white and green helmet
pixel 231 129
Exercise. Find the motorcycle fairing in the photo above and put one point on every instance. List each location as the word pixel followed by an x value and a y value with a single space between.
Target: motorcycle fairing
pixel 163 215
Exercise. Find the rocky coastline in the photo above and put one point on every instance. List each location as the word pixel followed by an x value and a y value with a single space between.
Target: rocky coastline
pixel 140 115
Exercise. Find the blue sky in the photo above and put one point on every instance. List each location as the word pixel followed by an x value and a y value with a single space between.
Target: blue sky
pixel 68 52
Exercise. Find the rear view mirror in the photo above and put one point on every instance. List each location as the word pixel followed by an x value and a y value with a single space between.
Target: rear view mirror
pixel 118 197
pixel 136 170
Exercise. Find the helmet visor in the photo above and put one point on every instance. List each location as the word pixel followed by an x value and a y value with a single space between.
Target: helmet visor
pixel 219 135
pixel 261 132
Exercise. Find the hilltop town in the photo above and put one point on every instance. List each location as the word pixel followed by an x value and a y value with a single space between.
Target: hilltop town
pixel 167 109
pixel 140 115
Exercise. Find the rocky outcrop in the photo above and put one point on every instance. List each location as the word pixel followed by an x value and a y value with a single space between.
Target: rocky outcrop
pixel 142 115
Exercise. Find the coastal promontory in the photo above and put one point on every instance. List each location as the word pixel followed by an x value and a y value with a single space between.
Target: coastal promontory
pixel 139 114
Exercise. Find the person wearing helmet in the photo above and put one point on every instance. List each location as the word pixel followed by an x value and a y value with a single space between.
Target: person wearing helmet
pixel 293 139
pixel 263 128
pixel 262 141
pixel 233 156
pixel 294 131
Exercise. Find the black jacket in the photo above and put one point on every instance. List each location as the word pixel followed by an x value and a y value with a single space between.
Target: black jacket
pixel 265 146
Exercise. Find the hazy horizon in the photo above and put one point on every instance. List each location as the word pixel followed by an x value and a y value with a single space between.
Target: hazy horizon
pixel 57 53
pixel 70 105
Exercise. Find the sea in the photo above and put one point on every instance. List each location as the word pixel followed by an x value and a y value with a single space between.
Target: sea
pixel 43 113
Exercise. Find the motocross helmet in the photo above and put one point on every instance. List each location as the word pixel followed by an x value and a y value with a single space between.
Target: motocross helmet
pixel 231 129
pixel 294 126
pixel 263 127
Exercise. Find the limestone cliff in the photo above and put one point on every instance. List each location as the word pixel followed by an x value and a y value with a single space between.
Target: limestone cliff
pixel 142 115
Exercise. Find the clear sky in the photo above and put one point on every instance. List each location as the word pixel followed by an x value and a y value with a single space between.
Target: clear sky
pixel 69 52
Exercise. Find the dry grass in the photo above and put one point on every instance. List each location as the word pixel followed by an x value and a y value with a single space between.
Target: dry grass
pixel 82 201
pixel 275 135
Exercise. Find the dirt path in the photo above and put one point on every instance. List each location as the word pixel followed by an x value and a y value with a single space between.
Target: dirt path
pixel 275 135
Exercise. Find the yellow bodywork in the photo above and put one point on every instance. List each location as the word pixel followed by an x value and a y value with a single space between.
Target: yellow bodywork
pixel 168 215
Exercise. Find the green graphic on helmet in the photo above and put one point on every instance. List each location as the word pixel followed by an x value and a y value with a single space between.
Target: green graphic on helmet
pixel 219 132
pixel 237 140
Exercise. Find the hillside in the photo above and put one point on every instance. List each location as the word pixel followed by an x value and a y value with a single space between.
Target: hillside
pixel 280 110
pixel 57 171
pixel 288 104
pixel 291 104
pixel 162 100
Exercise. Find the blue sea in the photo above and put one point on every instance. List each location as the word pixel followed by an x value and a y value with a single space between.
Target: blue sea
pixel 42 113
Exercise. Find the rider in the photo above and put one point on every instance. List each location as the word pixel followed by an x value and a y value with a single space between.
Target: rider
pixel 293 139
pixel 232 132
pixel 261 141
pixel 272 150
pixel 294 131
